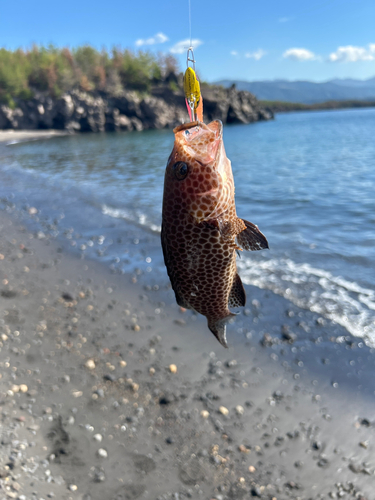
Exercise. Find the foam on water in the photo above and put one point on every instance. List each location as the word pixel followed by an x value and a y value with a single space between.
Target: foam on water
pixel 335 298
pixel 131 216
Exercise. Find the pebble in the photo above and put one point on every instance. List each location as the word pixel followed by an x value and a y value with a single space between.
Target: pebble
pixel 98 437
pixel 90 364
pixel 205 414
pixel 255 492
pixel 23 388
pixel 73 487
pixel 244 449
pixel 173 368
pixel 102 453
pixel 252 469
pixel 239 410
pixel 224 411
pixel 99 476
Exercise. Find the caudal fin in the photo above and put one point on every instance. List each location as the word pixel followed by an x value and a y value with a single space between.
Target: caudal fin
pixel 218 327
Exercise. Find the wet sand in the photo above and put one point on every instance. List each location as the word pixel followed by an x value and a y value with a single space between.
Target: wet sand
pixel 109 391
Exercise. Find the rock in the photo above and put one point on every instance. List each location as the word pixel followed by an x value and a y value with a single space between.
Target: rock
pixel 137 124
pixel 128 104
pixel 63 112
pixel 125 123
pixel 5 117
pixel 125 110
pixel 255 492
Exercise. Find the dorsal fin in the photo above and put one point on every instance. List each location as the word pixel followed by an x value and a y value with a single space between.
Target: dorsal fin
pixel 237 296
pixel 251 238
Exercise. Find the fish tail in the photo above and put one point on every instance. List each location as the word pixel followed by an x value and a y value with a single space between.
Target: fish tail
pixel 219 326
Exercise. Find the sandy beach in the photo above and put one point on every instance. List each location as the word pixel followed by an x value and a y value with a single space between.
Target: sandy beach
pixel 11 136
pixel 109 391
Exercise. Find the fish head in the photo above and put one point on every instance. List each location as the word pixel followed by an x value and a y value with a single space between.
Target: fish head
pixel 199 175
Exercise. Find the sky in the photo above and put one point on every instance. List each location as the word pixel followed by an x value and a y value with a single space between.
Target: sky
pixel 234 39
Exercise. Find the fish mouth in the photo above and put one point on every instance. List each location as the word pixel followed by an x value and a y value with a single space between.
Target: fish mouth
pixel 197 123
pixel 186 126
pixel 214 131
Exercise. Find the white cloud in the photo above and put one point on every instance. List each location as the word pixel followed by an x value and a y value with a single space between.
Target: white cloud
pixel 234 53
pixel 258 54
pixel 158 38
pixel 299 54
pixel 181 47
pixel 349 53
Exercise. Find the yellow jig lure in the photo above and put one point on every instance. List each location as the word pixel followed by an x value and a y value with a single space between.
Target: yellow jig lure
pixel 193 97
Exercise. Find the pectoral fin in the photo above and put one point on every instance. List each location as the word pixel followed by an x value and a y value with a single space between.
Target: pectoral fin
pixel 251 238
pixel 237 296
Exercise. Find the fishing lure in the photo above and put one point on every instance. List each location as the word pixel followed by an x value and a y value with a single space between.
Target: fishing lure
pixel 193 96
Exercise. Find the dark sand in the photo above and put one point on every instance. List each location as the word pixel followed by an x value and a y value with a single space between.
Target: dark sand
pixel 91 409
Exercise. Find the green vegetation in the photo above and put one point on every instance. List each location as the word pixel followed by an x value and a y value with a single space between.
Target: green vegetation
pixel 57 70
pixel 281 107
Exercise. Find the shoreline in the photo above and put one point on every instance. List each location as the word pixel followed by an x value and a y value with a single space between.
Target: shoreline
pixel 92 408
pixel 290 107
pixel 15 136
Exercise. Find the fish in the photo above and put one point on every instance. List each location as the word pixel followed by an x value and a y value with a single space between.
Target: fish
pixel 201 231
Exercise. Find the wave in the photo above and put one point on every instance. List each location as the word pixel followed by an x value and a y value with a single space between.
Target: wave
pixel 335 298
pixel 133 216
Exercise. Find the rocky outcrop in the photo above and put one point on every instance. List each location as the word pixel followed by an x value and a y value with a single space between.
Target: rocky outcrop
pixel 87 112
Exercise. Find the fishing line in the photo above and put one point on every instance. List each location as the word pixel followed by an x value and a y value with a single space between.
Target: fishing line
pixel 193 98
pixel 190 21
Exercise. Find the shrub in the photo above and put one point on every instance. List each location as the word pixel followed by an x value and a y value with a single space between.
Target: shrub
pixel 56 70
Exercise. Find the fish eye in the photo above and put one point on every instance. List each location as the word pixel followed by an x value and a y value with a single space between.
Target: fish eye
pixel 180 170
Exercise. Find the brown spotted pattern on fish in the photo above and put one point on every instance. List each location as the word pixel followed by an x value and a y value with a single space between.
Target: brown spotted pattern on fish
pixel 200 228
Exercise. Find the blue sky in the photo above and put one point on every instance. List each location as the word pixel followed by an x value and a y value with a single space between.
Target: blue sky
pixel 238 39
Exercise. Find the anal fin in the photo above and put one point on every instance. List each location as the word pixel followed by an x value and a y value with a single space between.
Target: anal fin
pixel 237 296
pixel 180 301
pixel 251 238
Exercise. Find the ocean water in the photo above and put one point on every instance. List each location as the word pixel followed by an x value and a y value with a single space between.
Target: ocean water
pixel 306 179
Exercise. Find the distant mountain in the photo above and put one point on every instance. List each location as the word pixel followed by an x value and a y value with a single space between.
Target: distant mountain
pixel 307 92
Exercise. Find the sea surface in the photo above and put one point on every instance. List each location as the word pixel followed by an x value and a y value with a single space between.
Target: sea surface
pixel 306 179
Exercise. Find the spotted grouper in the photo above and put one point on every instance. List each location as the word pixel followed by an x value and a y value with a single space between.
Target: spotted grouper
pixel 200 228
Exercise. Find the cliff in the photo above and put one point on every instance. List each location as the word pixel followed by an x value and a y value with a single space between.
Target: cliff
pixel 79 111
